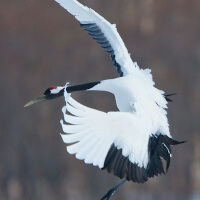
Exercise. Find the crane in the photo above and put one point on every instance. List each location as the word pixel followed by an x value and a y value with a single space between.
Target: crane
pixel 131 142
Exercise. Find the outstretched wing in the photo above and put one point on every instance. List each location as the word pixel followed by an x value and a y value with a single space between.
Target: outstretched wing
pixel 103 32
pixel 115 141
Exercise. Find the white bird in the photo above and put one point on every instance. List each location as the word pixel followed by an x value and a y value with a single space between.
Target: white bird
pixel 132 141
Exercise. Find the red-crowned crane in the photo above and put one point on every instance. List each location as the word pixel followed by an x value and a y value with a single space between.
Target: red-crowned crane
pixel 132 142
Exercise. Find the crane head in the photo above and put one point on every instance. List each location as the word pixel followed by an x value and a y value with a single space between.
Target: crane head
pixel 50 93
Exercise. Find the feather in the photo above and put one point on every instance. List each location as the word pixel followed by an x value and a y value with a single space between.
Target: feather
pixel 103 32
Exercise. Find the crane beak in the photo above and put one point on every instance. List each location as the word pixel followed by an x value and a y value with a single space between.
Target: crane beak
pixel 40 98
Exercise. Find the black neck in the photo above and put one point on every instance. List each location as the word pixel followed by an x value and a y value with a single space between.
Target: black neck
pixel 82 87
pixel 73 88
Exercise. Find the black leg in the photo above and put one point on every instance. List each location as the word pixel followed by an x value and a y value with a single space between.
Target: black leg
pixel 112 191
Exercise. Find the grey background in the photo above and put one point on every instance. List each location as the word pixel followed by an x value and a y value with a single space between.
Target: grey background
pixel 42 45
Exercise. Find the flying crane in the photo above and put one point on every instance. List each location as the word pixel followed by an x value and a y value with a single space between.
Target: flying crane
pixel 131 142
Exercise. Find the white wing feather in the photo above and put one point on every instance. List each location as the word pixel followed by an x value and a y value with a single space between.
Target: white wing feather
pixel 92 133
pixel 86 15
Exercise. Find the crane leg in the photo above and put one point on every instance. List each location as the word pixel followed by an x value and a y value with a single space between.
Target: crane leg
pixel 112 191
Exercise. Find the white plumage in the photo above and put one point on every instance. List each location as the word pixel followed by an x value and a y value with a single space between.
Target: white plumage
pixel 129 142
pixel 132 142
pixel 86 15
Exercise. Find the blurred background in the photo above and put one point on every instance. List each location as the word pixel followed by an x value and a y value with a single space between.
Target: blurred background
pixel 42 45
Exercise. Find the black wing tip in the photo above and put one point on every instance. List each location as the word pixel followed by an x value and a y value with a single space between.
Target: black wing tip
pixel 96 33
pixel 168 95
pixel 171 141
pixel 160 147
pixel 120 166
pixel 172 94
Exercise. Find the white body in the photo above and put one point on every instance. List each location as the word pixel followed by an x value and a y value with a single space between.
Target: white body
pixel 141 106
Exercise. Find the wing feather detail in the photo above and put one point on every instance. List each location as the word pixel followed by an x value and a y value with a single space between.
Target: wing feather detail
pixel 103 32
pixel 115 141
pixel 93 132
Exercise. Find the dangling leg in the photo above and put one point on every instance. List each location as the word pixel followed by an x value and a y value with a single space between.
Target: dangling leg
pixel 112 191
